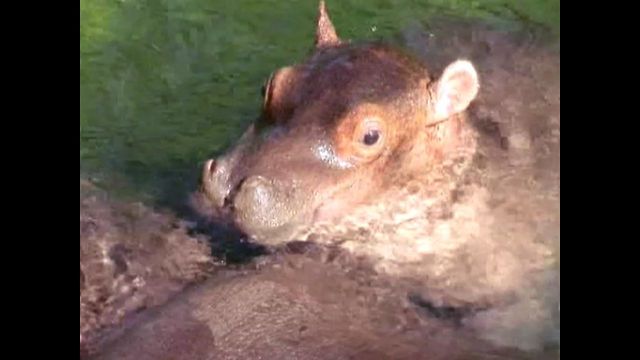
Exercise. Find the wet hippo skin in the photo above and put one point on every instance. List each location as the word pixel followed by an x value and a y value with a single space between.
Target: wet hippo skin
pixel 296 308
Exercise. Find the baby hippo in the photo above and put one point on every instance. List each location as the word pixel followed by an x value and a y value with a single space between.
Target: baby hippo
pixel 338 131
pixel 361 146
pixel 433 244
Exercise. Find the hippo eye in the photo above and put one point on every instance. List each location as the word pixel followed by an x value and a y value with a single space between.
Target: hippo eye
pixel 361 137
pixel 371 137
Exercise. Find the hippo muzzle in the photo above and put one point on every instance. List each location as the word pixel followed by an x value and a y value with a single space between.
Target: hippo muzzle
pixel 262 207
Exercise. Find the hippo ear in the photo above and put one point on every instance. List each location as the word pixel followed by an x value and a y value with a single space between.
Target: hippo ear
pixel 454 91
pixel 325 32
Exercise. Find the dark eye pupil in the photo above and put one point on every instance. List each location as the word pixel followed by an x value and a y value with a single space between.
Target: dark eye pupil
pixel 371 137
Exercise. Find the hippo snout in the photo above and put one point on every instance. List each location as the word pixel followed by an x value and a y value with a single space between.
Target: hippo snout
pixel 257 204
pixel 261 203
pixel 215 182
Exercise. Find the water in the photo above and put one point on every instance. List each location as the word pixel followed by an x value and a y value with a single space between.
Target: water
pixel 165 84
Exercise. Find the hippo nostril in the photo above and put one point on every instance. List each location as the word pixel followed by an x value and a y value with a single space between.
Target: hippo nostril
pixel 207 173
pixel 210 167
pixel 214 180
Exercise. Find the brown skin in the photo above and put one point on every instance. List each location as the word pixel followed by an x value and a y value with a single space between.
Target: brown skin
pixel 289 310
pixel 131 258
pixel 335 132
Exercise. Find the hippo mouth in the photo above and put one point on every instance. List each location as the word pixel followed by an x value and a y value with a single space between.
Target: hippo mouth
pixel 263 209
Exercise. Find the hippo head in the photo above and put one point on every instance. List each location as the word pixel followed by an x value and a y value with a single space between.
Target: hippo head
pixel 334 132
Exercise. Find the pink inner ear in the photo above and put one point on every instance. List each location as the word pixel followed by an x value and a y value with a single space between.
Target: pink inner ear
pixel 462 81
pixel 457 87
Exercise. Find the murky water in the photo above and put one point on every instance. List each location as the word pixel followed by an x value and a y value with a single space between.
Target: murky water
pixel 165 84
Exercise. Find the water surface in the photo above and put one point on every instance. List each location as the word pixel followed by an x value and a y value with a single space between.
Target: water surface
pixel 165 84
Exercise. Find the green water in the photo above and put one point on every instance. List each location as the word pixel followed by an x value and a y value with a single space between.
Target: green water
pixel 164 84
